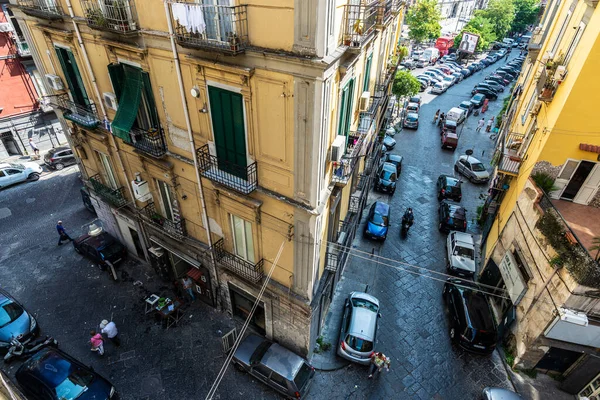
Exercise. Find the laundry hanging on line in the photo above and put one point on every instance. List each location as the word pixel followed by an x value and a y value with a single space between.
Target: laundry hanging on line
pixel 189 16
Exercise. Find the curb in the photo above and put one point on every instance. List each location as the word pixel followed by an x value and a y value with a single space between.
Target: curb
pixel 507 368
pixel 329 369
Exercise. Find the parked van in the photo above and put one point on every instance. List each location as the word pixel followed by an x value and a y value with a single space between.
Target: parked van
pixel 449 140
pixel 416 54
pixel 508 42
pixel 456 114
pixel 431 54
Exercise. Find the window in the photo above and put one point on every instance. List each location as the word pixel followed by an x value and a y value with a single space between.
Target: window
pixel 242 238
pixel 330 29
pixel 529 105
pixel 523 268
pixel 325 128
pixel 109 175
pixel 574 43
pixel 367 73
pixel 561 33
pixel 166 200
pixel 262 370
pixel 279 380
pixel 345 107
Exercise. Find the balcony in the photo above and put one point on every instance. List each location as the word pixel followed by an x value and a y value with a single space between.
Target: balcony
pixel 225 28
pixel 47 9
pixel 509 154
pixel 108 194
pixel 359 23
pixel 535 43
pixel 151 142
pixel 175 229
pixel 117 16
pixel 386 10
pixel 241 179
pixel 548 91
pixel 343 169
pixel 83 116
pixel 22 47
pixel 242 268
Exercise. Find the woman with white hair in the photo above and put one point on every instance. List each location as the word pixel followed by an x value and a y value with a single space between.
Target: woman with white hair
pixel 110 330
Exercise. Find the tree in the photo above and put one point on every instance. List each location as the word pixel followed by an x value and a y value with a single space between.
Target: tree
pixel 405 84
pixel 526 14
pixel 501 14
pixel 423 20
pixel 480 26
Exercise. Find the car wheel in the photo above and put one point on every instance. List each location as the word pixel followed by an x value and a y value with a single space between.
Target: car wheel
pixel 452 333
pixel 440 227
pixel 455 168
pixel 34 176
pixel 239 367
pixel 59 166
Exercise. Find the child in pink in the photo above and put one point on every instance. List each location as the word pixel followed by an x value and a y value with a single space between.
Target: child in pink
pixel 97 342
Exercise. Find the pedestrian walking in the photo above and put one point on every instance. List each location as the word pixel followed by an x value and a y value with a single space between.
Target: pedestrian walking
pixel 485 106
pixel 97 342
pixel 110 330
pixel 188 285
pixel 62 234
pixel 378 361
pixel 34 147
pixel 442 119
pixel 480 124
pixel 489 124
pixel 435 117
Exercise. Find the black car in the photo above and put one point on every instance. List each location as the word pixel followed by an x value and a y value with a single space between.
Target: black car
pixel 477 100
pixel 52 374
pixel 386 178
pixel 466 72
pixel 449 187
pixel 467 106
pixel 87 199
pixel 452 217
pixel 472 323
pixel 497 78
pixel 15 322
pixel 489 93
pixel 396 160
pixel 59 157
pixel 409 64
pixel 484 86
pixel 495 85
pixel 101 248
pixel 505 75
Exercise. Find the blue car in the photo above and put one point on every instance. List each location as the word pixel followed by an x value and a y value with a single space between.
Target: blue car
pixel 52 374
pixel 378 221
pixel 15 322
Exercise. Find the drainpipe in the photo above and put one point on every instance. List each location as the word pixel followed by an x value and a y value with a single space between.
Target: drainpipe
pixel 97 92
pixel 190 136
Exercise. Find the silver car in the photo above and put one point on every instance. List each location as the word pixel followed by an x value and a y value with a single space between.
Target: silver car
pixel 11 173
pixel 359 328
pixel 472 169
pixel 493 393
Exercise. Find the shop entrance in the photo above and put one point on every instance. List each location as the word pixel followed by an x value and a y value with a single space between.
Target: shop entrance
pixel 558 360
pixel 9 144
pixel 241 305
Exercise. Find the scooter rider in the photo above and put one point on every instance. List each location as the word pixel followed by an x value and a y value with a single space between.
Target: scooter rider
pixel 442 119
pixel 408 216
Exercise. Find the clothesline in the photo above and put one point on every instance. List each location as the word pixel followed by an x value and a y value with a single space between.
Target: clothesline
pixel 189 16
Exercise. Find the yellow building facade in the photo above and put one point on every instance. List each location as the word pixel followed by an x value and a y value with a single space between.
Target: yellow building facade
pixel 536 246
pixel 213 134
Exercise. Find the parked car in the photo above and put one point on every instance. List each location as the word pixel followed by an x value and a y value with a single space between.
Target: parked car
pixel 52 374
pixel 409 64
pixel 437 73
pixel 472 169
pixel 15 322
pixel 460 252
pixel 422 62
pixel 494 85
pixel 389 142
pixel 449 140
pixel 472 323
pixel 433 77
pixel 412 107
pixel 449 80
pixel 386 178
pixel 416 54
pixel 467 106
pixel 87 200
pixel 489 93
pixel 494 393
pixel 466 72
pixel 439 88
pixel 359 328
pixel 425 78
pixel 423 84
pixel 483 85
pixel 378 221
pixel 497 78
pixel 11 173
pixel 458 76
pixel 457 115
pixel 452 217
pixel 449 126
pixel 59 157
pixel 101 248
pixel 449 187
pixel 274 365
pixel 477 100
pixel 411 121
pixel 415 99
pixel 507 76
pixel 395 159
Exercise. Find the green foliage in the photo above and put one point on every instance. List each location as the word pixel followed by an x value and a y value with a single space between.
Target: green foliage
pixel 423 20
pixel 526 14
pixel 510 357
pixel 501 13
pixel 500 116
pixel 596 247
pixel 405 84
pixel 402 52
pixel 544 181
pixel 322 345
pixel 532 373
pixel 481 26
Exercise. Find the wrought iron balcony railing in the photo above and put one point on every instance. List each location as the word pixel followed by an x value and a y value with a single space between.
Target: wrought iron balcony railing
pixel 509 154
pixel 386 10
pixel 112 196
pixel 48 9
pixel 175 229
pixel 84 116
pixel 151 142
pixel 243 268
pixel 343 169
pixel 225 28
pixel 111 15
pixel 359 22
pixel 548 91
pixel 239 178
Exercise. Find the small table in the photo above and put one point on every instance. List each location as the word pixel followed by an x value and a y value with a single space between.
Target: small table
pixel 171 313
pixel 151 303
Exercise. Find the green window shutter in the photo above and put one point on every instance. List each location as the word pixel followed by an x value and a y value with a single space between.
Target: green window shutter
pixel 150 98
pixel 227 114
pixel 128 104
pixel 349 104
pixel 117 77
pixel 342 107
pixel 82 94
pixel 66 63
pixel 367 73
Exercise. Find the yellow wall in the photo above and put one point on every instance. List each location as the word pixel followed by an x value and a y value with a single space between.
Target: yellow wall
pixel 271 23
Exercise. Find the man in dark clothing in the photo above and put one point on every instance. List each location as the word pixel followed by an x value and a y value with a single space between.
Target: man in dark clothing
pixel 62 234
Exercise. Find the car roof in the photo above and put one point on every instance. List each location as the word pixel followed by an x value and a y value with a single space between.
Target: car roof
pixel 282 361
pixel 389 166
pixel 98 242
pixel 413 104
pixel 451 179
pixel 465 103
pixel 462 237
pixel 478 96
pixel 33 364
pixel 472 159
pixel 381 207
pixel 57 149
pixel 502 394
pixel 394 157
pixel 455 209
pixel 363 323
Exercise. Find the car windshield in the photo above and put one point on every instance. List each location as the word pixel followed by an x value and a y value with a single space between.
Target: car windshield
pixel 388 175
pixel 477 167
pixel 379 220
pixel 412 118
pixel 362 303
pixel 302 376
pixel 9 311
pixel 17 166
pixel 464 252
pixel 359 344
pixel 111 250
pixel 68 381
pixel 479 310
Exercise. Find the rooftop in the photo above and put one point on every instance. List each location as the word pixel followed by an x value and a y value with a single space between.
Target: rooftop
pixel 583 220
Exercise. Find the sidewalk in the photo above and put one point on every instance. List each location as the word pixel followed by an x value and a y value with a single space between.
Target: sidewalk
pixel 19 159
pixel 542 387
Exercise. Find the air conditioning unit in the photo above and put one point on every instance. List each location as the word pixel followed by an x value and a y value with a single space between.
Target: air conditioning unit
pixel 55 82
pixel 364 101
pixel 337 148
pixel 5 27
pixel 547 56
pixel 110 100
pixel 141 191
pixel 535 109
pixel 560 73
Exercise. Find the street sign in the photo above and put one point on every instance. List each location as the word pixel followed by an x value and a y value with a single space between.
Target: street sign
pixel 469 152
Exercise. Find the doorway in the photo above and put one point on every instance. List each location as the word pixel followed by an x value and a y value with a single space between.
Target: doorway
pixel 135 238
pixel 9 144
pixel 558 360
pixel 577 180
pixel 241 304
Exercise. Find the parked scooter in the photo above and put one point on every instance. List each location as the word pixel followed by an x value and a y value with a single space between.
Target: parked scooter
pixel 20 349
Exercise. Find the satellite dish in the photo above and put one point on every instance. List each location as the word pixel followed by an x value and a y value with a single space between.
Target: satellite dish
pixel 94 228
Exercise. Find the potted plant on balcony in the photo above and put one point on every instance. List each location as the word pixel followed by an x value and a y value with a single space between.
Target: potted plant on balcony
pixel 347 40
pixel 121 16
pixel 96 18
pixel 233 40
pixel 157 219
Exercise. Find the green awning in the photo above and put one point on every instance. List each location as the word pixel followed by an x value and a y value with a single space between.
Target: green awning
pixel 129 103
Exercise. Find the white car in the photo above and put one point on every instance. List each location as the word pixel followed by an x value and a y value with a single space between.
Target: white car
pixel 14 173
pixel 472 169
pixel 460 250
pixel 449 80
pixel 439 88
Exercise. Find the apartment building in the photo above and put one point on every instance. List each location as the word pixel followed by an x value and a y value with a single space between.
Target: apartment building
pixel 456 14
pixel 212 133
pixel 539 246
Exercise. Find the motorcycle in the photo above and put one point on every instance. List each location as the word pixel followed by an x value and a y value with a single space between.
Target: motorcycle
pixel 20 349
pixel 406 224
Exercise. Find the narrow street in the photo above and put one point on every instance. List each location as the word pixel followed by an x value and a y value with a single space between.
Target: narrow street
pixel 413 330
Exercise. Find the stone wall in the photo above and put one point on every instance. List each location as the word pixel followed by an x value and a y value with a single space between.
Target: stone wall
pixel 547 168
pixel 596 200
